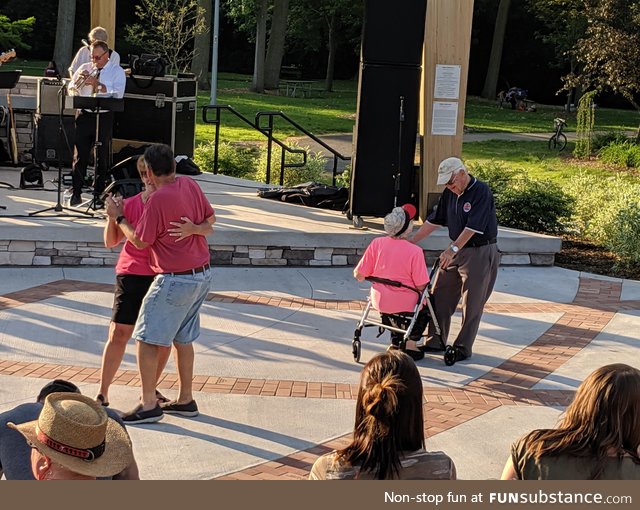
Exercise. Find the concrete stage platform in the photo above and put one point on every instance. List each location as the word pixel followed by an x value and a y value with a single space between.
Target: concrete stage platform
pixel 250 231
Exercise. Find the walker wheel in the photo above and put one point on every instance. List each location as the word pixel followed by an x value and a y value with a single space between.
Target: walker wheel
pixel 356 348
pixel 450 354
pixel 357 222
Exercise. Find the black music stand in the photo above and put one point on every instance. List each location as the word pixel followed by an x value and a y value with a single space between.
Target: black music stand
pixel 8 80
pixel 97 103
pixel 62 137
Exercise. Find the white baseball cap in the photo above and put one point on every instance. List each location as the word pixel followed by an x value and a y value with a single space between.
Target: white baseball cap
pixel 447 167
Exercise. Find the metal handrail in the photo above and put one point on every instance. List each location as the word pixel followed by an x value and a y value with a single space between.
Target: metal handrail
pixel 272 114
pixel 268 132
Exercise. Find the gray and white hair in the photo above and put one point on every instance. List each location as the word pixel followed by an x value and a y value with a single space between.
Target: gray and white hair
pixel 398 224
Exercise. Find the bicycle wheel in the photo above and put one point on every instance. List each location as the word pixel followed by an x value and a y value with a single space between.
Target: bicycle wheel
pixel 552 143
pixel 562 142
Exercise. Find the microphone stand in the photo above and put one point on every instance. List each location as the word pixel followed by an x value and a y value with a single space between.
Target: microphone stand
pixel 59 208
pixel 397 175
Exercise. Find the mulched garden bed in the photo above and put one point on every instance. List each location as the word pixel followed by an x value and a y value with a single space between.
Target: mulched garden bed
pixel 584 256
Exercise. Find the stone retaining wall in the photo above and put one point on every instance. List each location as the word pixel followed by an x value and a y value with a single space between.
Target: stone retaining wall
pixel 71 253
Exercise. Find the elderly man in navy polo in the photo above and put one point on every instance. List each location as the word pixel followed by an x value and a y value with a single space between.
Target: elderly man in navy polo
pixel 470 262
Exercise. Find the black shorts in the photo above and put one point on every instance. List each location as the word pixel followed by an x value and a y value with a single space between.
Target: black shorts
pixel 127 300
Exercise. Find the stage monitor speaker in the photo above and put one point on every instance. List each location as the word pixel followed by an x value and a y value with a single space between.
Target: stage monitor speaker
pixel 393 34
pixel 47 140
pixel 382 141
pixel 48 99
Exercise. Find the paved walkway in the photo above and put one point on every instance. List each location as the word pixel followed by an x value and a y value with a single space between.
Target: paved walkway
pixel 275 378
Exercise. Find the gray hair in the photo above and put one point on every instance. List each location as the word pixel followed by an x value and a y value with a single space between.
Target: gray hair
pixel 395 221
pixel 98 34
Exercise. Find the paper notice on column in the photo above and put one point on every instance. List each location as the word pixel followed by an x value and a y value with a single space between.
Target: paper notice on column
pixel 444 120
pixel 447 84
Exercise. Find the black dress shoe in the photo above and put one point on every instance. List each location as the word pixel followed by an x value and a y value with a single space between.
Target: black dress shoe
pixel 76 199
pixel 414 355
pixel 431 348
pixel 460 356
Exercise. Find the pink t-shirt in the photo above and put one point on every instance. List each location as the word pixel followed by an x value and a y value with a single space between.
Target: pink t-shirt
pixel 394 259
pixel 131 259
pixel 171 202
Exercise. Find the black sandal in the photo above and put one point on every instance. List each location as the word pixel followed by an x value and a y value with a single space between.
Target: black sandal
pixel 100 400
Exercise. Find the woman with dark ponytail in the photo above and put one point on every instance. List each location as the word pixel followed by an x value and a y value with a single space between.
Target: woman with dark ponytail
pixel 388 440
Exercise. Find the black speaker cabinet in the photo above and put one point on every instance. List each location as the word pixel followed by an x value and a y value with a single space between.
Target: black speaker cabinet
pixel 393 34
pixel 159 110
pixel 48 142
pixel 384 143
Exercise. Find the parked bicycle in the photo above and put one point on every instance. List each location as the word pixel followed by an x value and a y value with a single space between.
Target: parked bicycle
pixel 558 140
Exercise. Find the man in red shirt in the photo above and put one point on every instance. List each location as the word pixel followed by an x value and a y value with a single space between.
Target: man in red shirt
pixel 170 310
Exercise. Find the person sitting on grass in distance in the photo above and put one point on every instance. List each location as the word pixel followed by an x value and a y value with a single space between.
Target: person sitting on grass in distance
pixel 388 437
pixel 74 439
pixel 15 453
pixel 393 257
pixel 598 437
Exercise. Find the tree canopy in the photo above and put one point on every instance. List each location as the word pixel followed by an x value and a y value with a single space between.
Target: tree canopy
pixel 12 32
pixel 609 51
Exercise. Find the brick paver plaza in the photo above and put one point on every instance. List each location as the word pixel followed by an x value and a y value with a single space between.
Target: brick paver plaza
pixel 291 357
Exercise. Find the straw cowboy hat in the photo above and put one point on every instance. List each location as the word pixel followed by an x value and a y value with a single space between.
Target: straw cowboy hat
pixel 76 433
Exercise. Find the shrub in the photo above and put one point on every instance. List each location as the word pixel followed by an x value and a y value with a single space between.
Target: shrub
pixel 525 203
pixel 534 205
pixel 233 160
pixel 585 120
pixel 625 153
pixel 601 140
pixel 344 178
pixel 608 213
pixel 312 171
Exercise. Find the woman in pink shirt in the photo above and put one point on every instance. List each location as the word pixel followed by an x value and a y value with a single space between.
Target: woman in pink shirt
pixel 393 257
pixel 133 279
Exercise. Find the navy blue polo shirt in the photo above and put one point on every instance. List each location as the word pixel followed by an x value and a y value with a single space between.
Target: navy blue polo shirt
pixel 474 209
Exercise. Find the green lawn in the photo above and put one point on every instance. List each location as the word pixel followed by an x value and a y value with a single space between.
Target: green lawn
pixel 482 115
pixel 535 159
pixel 334 112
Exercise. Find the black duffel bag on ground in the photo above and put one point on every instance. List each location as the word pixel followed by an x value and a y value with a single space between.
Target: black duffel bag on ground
pixel 311 194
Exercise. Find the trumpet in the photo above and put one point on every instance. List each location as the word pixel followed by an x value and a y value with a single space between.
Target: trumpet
pixel 79 82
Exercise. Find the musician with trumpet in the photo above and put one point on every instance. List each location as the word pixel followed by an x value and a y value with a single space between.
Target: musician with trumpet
pixel 102 77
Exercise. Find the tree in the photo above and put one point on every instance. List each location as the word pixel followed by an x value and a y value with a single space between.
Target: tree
pixel 609 51
pixel 257 84
pixel 201 47
pixel 168 27
pixel 251 16
pixel 327 24
pixel 564 24
pixel 12 32
pixel 493 69
pixel 275 47
pixel 63 49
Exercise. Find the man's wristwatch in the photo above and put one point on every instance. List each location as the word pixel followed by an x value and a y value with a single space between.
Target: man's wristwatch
pixel 453 247
pixel 119 219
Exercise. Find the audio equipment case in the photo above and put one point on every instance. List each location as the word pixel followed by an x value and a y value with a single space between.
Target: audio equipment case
pixel 159 110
